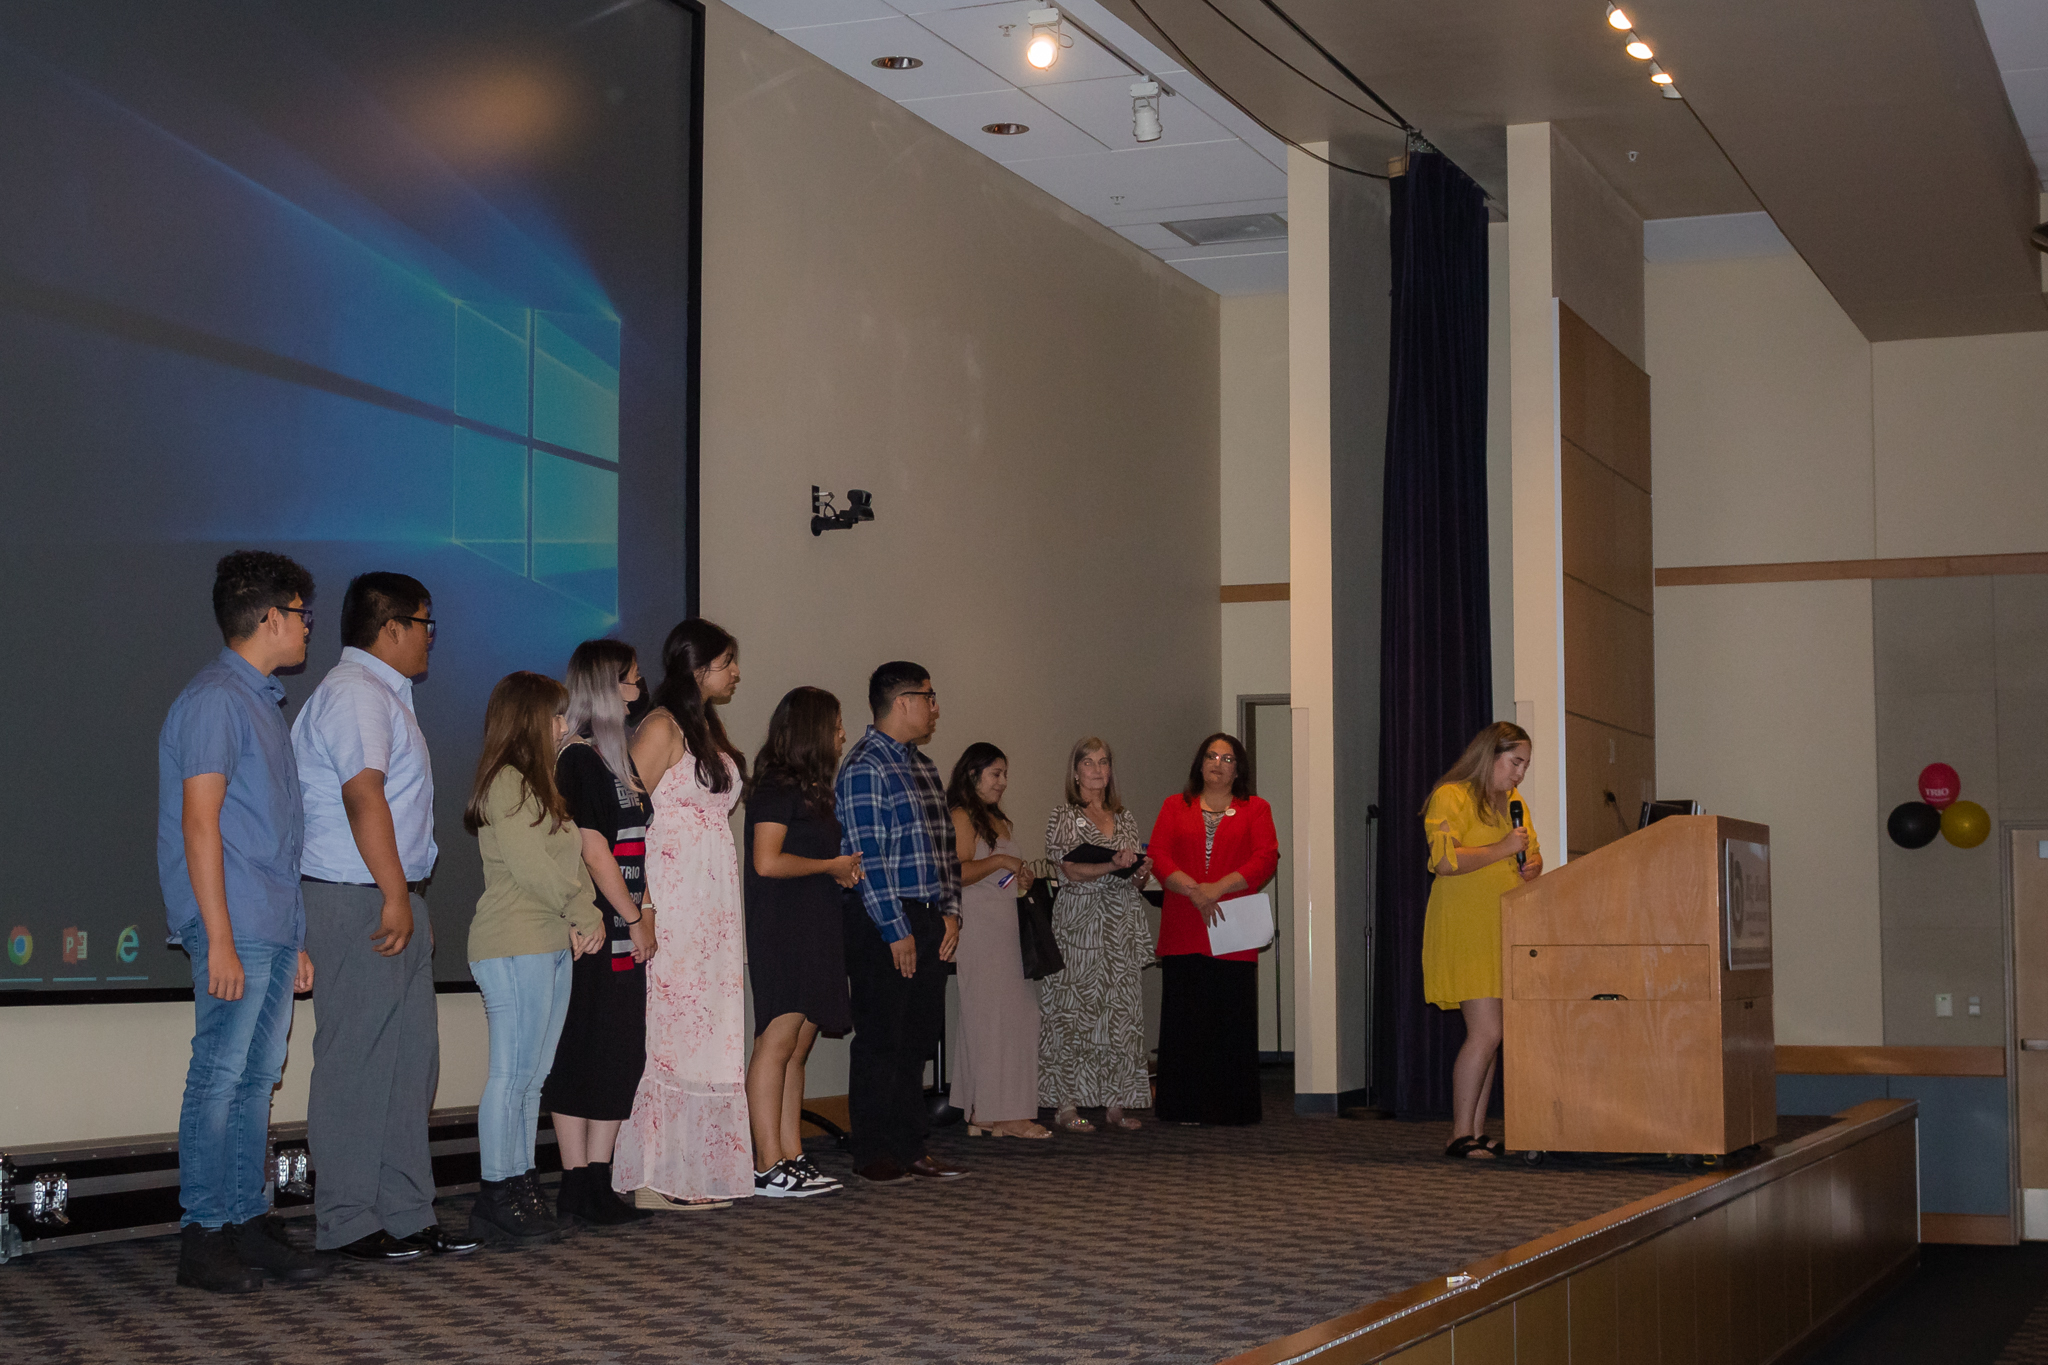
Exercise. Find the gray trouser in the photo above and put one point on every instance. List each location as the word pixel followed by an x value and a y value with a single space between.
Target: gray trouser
pixel 376 1063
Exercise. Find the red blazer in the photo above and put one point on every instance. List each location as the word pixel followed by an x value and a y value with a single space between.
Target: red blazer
pixel 1245 843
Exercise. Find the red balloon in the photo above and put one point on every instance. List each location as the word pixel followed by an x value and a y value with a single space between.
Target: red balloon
pixel 1939 785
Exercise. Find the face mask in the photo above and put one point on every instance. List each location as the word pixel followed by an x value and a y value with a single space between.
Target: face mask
pixel 637 709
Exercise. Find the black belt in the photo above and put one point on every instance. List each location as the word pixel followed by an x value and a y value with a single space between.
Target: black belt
pixel 414 887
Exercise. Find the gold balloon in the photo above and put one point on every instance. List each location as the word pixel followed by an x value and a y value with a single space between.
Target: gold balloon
pixel 1965 824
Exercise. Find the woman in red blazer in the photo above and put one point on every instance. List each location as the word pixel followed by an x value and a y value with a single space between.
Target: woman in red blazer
pixel 1212 842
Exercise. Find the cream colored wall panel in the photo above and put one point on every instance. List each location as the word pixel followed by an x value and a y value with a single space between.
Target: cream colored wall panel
pixel 1255 657
pixel 1597 249
pixel 1760 416
pixel 1766 711
pixel 1252 405
pixel 1961 445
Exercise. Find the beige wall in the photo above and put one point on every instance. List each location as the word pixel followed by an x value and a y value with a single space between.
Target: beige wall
pixel 1253 411
pixel 1032 401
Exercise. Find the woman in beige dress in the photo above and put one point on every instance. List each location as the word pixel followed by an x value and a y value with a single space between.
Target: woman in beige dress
pixel 995 1077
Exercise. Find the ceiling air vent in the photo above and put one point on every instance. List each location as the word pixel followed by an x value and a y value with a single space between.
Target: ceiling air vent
pixel 1243 227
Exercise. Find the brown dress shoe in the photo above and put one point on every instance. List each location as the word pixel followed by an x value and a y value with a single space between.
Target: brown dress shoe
pixel 883 1172
pixel 931 1168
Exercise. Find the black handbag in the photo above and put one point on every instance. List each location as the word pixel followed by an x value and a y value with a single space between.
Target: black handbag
pixel 1035 939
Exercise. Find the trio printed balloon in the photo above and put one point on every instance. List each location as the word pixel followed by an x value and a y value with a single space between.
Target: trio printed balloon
pixel 1939 785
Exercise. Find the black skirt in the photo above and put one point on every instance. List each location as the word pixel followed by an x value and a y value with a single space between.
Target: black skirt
pixel 1208 1040
pixel 604 1039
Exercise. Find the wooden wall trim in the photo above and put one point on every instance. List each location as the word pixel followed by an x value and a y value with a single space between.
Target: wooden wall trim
pixel 1255 592
pixel 1383 1330
pixel 1890 1061
pixel 1819 570
pixel 1968 1229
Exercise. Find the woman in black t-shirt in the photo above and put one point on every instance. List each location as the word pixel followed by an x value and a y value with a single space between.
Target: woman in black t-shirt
pixel 794 876
pixel 604 1039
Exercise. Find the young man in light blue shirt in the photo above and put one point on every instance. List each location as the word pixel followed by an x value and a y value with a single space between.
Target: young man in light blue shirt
pixel 369 800
pixel 228 841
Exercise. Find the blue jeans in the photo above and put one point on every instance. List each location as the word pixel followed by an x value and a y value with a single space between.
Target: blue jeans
pixel 526 998
pixel 238 1050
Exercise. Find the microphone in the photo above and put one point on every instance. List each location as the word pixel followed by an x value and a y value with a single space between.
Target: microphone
pixel 1515 814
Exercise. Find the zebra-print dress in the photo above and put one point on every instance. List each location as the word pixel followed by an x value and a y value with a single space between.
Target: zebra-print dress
pixel 1091 1041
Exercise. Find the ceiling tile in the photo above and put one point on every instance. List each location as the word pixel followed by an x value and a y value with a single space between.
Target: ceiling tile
pixel 782 14
pixel 1118 219
pixel 853 47
pixel 1265 273
pixel 2018 30
pixel 980 33
pixel 1217 251
pixel 1148 183
pixel 1712 237
pixel 964 115
pixel 1228 115
pixel 1104 108
pixel 1151 236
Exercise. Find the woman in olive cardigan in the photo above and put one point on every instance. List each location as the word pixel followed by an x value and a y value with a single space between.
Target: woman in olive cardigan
pixel 538 912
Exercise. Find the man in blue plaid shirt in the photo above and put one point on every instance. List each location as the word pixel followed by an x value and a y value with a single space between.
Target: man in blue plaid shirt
pixel 901 926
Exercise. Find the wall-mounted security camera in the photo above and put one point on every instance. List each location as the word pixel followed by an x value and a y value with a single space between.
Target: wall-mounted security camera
pixel 827 517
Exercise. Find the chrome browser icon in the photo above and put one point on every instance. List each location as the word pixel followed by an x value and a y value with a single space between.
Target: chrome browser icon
pixel 21 945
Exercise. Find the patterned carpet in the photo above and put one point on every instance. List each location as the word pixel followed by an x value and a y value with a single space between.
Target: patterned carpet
pixel 1170 1244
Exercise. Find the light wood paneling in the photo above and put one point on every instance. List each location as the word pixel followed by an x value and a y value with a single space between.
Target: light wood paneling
pixel 1801 1060
pixel 1603 400
pixel 1606 529
pixel 1967 1229
pixel 1811 571
pixel 1609 660
pixel 1638 971
pixel 831 1107
pixel 1256 592
pixel 1600 759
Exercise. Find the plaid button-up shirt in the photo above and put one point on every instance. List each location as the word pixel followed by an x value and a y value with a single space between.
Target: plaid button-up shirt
pixel 892 809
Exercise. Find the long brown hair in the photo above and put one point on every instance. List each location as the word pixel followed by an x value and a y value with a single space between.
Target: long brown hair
pixel 519 733
pixel 799 751
pixel 1085 745
pixel 1474 769
pixel 696 643
pixel 1241 779
pixel 964 791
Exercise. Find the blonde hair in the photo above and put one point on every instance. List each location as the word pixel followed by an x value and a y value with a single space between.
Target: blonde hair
pixel 1084 746
pixel 1474 769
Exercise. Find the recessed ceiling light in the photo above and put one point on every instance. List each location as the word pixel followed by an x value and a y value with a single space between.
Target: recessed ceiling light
pixel 898 63
pixel 1617 19
pixel 1637 49
pixel 1006 129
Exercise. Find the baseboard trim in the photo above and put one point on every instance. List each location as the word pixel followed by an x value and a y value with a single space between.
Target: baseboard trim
pixel 1968 1229
pixel 1327 1104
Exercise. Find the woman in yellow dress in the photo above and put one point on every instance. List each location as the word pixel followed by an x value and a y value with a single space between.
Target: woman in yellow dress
pixel 1473 843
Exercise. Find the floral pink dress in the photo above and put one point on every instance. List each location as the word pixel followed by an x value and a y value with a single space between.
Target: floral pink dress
pixel 688 1137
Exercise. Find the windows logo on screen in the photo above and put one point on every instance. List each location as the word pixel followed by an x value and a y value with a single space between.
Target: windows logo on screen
pixel 21 945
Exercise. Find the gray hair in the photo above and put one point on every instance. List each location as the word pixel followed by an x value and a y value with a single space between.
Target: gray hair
pixel 595 671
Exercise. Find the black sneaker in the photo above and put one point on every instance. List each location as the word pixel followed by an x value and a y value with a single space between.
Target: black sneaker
pixel 262 1245
pixel 208 1260
pixel 780 1182
pixel 501 1215
pixel 808 1169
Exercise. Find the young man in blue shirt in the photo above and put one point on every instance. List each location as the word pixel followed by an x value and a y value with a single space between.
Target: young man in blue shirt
pixel 229 833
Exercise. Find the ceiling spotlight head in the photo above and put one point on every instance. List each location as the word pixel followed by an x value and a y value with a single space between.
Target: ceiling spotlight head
pixel 1006 129
pixel 1046 40
pixel 898 63
pixel 1616 19
pixel 1659 74
pixel 1145 125
pixel 1639 50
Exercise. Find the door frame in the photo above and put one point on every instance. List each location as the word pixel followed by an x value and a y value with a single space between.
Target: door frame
pixel 2008 893
pixel 1247 735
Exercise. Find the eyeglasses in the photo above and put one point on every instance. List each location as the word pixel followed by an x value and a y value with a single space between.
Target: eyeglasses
pixel 426 621
pixel 305 615
pixel 1229 759
pixel 929 696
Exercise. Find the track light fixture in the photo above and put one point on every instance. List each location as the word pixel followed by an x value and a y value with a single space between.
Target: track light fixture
pixel 1047 38
pixel 1659 75
pixel 1145 126
pixel 1618 20
pixel 1639 49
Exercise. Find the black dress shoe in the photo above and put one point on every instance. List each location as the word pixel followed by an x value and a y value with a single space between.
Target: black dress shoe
pixel 931 1168
pixel 883 1172
pixel 379 1248
pixel 440 1242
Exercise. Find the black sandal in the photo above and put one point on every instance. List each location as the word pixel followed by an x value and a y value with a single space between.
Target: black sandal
pixel 1462 1149
pixel 1493 1145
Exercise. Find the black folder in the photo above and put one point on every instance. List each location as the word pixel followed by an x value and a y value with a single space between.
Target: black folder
pixel 1097 853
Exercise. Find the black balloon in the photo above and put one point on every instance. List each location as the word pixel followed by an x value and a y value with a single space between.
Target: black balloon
pixel 1913 825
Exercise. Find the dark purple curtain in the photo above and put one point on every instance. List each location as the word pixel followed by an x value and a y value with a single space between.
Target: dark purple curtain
pixel 1436 657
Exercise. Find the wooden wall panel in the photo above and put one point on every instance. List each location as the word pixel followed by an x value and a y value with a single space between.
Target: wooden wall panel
pixel 1641 1326
pixel 1603 400
pixel 1606 530
pixel 1435 1351
pixel 1595 1311
pixel 1485 1341
pixel 1677 1296
pixel 1610 669
pixel 1600 759
pixel 1543 1333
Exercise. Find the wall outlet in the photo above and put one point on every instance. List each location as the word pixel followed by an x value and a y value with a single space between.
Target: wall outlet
pixel 1944 1006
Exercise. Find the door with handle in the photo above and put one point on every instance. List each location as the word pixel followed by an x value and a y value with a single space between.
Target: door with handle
pixel 2029 854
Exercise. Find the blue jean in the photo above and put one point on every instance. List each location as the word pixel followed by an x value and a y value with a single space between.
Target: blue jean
pixel 526 998
pixel 238 1051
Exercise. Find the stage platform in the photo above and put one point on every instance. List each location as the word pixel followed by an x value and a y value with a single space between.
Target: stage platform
pixel 1170 1244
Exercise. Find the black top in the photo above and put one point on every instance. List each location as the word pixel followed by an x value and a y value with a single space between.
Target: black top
pixel 796 957
pixel 599 801
pixel 809 836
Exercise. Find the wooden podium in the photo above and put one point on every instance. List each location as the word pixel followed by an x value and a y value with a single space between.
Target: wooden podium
pixel 1636 995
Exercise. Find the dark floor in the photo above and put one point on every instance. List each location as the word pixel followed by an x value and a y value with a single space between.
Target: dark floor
pixel 1169 1244
pixel 1964 1306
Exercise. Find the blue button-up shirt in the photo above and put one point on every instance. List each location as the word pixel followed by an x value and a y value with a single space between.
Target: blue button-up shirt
pixel 892 809
pixel 228 721
pixel 360 717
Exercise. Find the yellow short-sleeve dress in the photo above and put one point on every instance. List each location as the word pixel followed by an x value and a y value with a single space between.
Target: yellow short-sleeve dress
pixel 1461 929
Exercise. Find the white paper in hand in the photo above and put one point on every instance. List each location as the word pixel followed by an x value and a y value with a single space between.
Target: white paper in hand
pixel 1247 924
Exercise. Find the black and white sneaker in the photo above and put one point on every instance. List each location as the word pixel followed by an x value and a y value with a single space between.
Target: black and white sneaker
pixel 813 1177
pixel 780 1182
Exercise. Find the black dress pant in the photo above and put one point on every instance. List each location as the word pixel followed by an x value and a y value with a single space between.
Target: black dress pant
pixel 1208 1040
pixel 897 1021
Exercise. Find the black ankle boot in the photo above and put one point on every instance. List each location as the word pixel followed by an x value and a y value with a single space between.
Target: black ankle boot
pixel 571 1200
pixel 503 1214
pixel 208 1260
pixel 601 1206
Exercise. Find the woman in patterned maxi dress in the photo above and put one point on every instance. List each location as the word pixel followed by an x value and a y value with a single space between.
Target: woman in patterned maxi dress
pixel 688 1144
pixel 1091 1048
